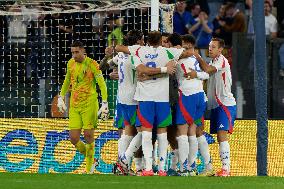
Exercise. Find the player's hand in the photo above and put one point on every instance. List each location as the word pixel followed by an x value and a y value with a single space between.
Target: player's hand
pixel 191 74
pixel 114 75
pixel 104 111
pixel 190 52
pixel 109 51
pixel 171 67
pixel 143 77
pixel 61 105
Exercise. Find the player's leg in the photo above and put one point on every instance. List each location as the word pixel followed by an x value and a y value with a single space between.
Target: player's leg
pixel 130 117
pixel 119 124
pixel 90 118
pixel 186 135
pixel 75 126
pixel 202 142
pixel 224 125
pixel 204 150
pixel 138 160
pixel 164 119
pixel 145 115
pixel 172 134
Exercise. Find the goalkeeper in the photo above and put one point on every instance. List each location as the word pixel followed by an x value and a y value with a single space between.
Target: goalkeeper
pixel 82 75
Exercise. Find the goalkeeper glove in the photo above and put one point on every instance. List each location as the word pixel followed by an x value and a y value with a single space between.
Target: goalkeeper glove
pixel 104 111
pixel 61 105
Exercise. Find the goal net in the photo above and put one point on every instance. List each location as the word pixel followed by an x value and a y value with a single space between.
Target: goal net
pixel 35 39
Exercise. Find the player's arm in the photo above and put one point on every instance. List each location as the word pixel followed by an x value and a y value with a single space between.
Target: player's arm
pixel 99 79
pixel 122 48
pixel 199 75
pixel 169 68
pixel 144 77
pixel 66 82
pixel 106 62
pixel 204 66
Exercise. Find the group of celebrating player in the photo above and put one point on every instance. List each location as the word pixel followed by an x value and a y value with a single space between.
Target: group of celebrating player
pixel 149 109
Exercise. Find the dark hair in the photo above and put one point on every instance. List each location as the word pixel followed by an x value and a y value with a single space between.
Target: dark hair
pixel 133 36
pixel 221 42
pixel 188 38
pixel 165 34
pixel 229 6
pixel 78 44
pixel 154 38
pixel 125 40
pixel 193 5
pixel 268 2
pixel 175 39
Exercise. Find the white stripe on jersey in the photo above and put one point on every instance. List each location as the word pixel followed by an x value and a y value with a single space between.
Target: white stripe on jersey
pixel 219 84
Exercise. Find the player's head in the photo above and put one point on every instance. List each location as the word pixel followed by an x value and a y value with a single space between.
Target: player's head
pixel 154 38
pixel 135 37
pixel 188 41
pixel 174 40
pixel 78 51
pixel 216 47
pixel 165 42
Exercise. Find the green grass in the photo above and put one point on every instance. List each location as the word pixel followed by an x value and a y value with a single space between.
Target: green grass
pixel 71 181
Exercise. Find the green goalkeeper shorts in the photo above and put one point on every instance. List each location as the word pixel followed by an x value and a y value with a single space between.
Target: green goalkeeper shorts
pixel 84 117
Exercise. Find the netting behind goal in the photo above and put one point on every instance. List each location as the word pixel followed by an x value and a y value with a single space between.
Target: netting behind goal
pixel 35 42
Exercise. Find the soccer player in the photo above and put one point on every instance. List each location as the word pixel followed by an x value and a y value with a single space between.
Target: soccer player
pixel 133 38
pixel 105 64
pixel 82 75
pixel 191 106
pixel 153 97
pixel 126 90
pixel 221 101
pixel 195 73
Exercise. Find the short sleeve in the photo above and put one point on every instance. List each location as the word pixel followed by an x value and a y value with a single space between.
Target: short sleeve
pixel 219 64
pixel 174 53
pixel 134 49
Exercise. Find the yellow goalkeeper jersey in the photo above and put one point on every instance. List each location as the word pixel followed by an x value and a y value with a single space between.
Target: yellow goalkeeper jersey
pixel 81 79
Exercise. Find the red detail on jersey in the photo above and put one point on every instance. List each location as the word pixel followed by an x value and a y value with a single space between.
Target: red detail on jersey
pixel 136 53
pixel 224 73
pixel 183 68
pixel 143 121
pixel 227 112
pixel 184 112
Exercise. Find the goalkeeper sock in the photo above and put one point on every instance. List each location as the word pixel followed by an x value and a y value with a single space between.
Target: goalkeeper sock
pixel 80 146
pixel 183 150
pixel 147 148
pixel 193 150
pixel 204 149
pixel 89 156
pixel 224 150
pixel 162 148
pixel 133 146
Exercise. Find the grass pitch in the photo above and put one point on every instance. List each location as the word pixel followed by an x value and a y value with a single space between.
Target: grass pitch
pixel 72 181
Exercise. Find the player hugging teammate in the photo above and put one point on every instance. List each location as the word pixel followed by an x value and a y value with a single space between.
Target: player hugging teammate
pixel 161 99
